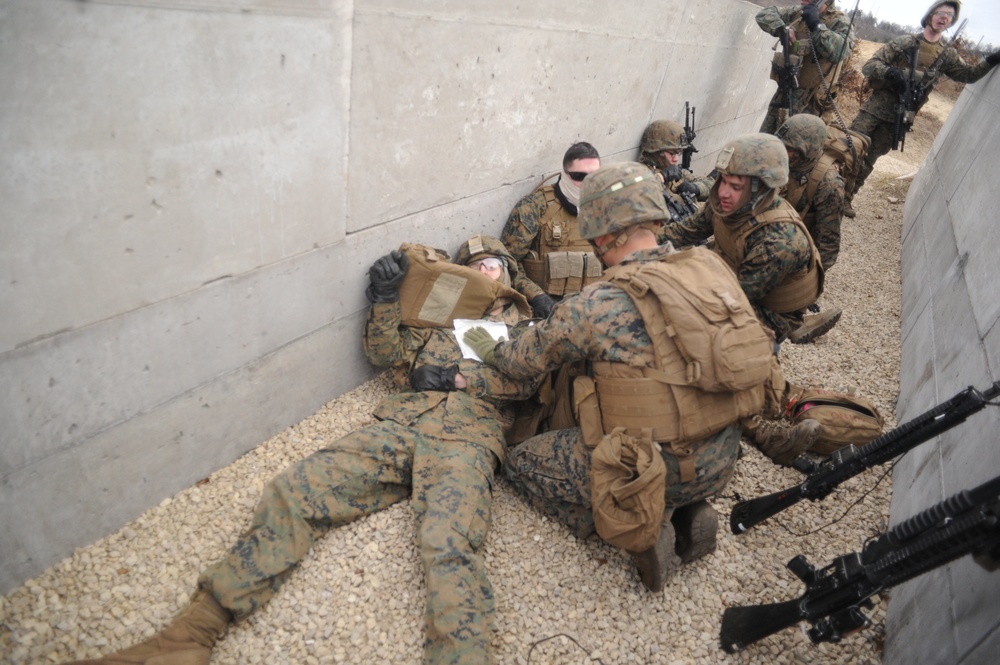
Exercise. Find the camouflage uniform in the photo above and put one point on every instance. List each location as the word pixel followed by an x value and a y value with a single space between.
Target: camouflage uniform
pixel 877 116
pixel 553 469
pixel 661 135
pixel 833 42
pixel 815 188
pixel 440 447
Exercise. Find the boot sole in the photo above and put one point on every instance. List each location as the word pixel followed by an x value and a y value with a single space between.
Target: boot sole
pixel 818 331
pixel 657 564
pixel 702 523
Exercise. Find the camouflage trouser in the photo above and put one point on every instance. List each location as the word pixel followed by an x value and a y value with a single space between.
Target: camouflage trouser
pixel 552 471
pixel 368 470
pixel 881 134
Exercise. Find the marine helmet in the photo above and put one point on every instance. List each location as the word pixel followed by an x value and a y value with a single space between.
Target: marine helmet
pixel 804 133
pixel 478 247
pixel 957 4
pixel 663 135
pixel 618 196
pixel 760 156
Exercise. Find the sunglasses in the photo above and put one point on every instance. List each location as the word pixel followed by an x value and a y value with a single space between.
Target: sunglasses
pixel 489 263
pixel 577 176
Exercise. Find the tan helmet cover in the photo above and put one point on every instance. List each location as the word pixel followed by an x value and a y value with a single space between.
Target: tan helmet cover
pixel 757 155
pixel 618 196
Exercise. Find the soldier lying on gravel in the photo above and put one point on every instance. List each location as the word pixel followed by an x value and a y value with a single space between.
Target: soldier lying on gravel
pixel 651 447
pixel 438 443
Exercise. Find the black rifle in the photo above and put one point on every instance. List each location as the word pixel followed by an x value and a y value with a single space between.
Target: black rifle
pixel 965 523
pixel 688 137
pixel 682 209
pixel 914 93
pixel 850 460
pixel 787 75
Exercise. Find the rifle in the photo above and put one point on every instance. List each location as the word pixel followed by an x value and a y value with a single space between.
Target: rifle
pixel 677 209
pixel 849 461
pixel 912 97
pixel 965 523
pixel 787 75
pixel 688 137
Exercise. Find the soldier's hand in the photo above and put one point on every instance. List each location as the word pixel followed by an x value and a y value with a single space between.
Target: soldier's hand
pixel 810 14
pixel 434 377
pixel 541 305
pixel 896 79
pixel 993 58
pixel 686 187
pixel 672 173
pixel 385 276
pixel 482 343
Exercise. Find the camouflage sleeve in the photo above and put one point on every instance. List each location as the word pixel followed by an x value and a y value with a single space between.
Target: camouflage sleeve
pixel 688 231
pixel 771 19
pixel 522 225
pixel 492 385
pixel 772 253
pixel 958 70
pixel 527 288
pixel 892 54
pixel 834 40
pixel 828 205
pixel 386 342
pixel 704 185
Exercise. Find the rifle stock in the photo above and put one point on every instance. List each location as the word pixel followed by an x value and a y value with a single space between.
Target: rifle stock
pixel 850 461
pixel 745 625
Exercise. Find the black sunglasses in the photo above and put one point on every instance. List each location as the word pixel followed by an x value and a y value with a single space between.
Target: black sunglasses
pixel 577 176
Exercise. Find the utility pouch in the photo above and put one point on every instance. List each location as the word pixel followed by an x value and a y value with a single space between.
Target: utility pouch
pixel 628 484
pixel 844 419
pixel 587 409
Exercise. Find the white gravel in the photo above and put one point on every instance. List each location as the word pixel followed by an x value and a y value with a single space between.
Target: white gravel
pixel 358 597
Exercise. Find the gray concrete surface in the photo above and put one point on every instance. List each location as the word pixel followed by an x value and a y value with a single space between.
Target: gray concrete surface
pixel 950 340
pixel 193 190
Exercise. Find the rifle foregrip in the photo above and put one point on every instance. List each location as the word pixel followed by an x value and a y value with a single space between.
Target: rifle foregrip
pixel 748 514
pixel 742 626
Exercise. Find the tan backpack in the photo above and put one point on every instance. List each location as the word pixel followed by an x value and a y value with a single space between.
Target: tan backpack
pixel 848 161
pixel 844 419
pixel 436 291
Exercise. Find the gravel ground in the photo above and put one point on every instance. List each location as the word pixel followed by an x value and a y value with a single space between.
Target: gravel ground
pixel 358 597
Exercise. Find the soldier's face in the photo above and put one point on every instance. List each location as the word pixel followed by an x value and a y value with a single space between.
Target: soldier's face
pixel 581 166
pixel 731 188
pixel 667 158
pixel 942 18
pixel 491 267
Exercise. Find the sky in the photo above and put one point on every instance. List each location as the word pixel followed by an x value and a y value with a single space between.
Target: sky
pixel 983 15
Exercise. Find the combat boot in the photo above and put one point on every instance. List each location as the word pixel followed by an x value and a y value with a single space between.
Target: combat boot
pixel 188 640
pixel 659 562
pixel 814 325
pixel 696 526
pixel 849 209
pixel 783 444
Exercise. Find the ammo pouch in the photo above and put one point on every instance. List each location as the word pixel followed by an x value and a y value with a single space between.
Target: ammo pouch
pixel 436 291
pixel 778 64
pixel 560 273
pixel 844 419
pixel 628 485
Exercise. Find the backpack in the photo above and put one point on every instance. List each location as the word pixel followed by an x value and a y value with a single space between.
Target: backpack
pixel 844 419
pixel 848 162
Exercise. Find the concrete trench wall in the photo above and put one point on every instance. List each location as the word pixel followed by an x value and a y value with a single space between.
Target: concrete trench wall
pixel 193 191
pixel 950 340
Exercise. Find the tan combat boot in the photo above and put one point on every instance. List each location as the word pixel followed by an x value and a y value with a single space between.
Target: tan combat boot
pixel 659 562
pixel 815 325
pixel 849 209
pixel 696 526
pixel 188 640
pixel 784 444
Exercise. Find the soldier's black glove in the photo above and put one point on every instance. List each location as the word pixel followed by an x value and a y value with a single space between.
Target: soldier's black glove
pixel 541 305
pixel 672 173
pixel 385 275
pixel 993 58
pixel 688 188
pixel 896 79
pixel 810 14
pixel 433 377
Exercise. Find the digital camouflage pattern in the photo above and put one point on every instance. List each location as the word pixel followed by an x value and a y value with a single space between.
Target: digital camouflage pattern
pixel 520 235
pixel 877 115
pixel 759 155
pixel 441 448
pixel 601 323
pixel 612 200
pixel 833 42
pixel 821 205
pixel 772 253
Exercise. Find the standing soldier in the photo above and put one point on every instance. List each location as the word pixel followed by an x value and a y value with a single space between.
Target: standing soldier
pixel 816 190
pixel 757 232
pixel 919 58
pixel 663 144
pixel 640 412
pixel 820 40
pixel 541 233
pixel 436 442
